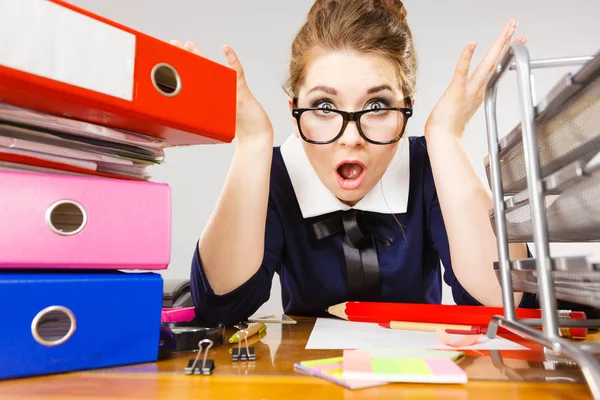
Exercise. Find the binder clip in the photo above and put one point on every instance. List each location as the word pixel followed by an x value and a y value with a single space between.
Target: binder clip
pixel 241 354
pixel 207 365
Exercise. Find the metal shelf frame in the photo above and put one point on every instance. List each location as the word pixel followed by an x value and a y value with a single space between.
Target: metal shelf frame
pixel 517 59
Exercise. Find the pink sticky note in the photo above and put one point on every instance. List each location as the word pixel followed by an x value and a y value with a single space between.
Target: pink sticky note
pixel 444 367
pixel 357 361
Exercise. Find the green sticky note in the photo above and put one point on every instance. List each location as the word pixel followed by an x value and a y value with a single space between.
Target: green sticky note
pixel 384 366
pixel 411 366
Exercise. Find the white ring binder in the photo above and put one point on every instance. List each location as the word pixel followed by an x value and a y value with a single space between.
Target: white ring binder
pixel 39 319
pixel 166 80
pixel 59 217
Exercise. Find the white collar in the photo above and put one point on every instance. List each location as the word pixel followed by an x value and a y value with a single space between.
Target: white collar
pixel 315 199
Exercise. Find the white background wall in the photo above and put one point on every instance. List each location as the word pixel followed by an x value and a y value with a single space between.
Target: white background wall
pixel 261 32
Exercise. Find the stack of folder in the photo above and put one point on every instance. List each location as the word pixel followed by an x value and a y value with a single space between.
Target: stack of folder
pixel 86 107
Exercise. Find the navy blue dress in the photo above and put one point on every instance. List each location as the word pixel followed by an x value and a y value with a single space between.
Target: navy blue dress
pixel 312 271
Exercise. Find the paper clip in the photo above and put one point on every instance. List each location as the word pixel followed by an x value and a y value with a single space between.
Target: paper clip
pixel 207 365
pixel 240 354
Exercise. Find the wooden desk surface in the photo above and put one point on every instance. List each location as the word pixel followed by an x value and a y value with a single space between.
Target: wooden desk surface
pixel 503 375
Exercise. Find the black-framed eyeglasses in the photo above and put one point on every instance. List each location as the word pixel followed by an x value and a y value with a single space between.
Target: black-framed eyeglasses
pixel 376 126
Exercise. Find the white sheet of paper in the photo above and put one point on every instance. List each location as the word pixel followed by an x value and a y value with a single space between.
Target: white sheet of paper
pixel 329 333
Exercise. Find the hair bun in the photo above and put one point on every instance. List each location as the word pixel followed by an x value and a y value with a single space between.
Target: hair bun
pixel 394 7
pixel 373 27
pixel 318 6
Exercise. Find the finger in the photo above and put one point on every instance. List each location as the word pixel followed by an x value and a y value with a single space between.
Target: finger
pixel 236 65
pixel 491 58
pixel 498 59
pixel 481 90
pixel 495 54
pixel 177 43
pixel 461 73
pixel 191 46
pixel 520 40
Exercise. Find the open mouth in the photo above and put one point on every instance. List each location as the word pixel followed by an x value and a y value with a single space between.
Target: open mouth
pixel 350 174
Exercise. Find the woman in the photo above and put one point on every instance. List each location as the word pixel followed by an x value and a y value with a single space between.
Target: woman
pixel 354 209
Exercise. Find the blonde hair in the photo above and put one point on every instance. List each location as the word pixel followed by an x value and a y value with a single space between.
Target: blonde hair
pixel 374 27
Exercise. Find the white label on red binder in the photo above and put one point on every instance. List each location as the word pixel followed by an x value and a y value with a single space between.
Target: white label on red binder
pixel 43 38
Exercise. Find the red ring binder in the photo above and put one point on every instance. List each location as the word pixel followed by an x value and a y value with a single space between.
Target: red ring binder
pixel 125 95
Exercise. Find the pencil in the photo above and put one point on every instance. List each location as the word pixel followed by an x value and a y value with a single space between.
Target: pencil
pixel 252 330
pixel 251 341
pixel 431 313
pixel 423 326
pixel 436 313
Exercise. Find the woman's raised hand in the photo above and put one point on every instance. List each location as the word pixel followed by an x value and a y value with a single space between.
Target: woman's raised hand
pixel 465 93
pixel 252 122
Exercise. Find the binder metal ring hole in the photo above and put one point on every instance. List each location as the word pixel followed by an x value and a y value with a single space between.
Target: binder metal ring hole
pixel 166 80
pixel 53 326
pixel 66 217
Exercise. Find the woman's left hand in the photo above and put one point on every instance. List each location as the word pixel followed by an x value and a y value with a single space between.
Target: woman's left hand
pixel 465 93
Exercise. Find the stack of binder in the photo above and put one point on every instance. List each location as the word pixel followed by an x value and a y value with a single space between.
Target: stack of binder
pixel 86 106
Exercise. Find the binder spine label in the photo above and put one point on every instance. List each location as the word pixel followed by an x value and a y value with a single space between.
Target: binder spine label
pixel 48 40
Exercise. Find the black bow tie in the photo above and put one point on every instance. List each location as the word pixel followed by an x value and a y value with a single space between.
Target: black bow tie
pixel 360 252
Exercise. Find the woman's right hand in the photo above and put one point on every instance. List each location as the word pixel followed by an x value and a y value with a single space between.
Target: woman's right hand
pixel 252 122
